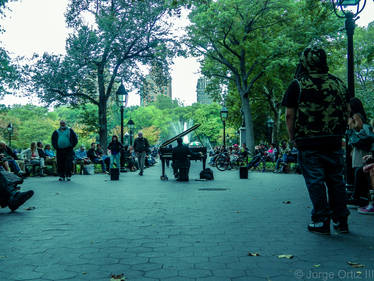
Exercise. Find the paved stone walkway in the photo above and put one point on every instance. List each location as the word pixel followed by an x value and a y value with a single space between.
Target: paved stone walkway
pixel 150 230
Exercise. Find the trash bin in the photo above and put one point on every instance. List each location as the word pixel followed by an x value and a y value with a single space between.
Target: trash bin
pixel 114 174
pixel 243 172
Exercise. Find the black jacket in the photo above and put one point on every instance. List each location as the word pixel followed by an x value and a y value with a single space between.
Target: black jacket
pixel 115 147
pixel 141 145
pixel 73 139
pixel 91 153
pixel 7 150
pixel 41 153
pixel 180 156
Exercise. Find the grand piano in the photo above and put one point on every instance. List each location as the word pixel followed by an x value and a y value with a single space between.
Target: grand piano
pixel 167 153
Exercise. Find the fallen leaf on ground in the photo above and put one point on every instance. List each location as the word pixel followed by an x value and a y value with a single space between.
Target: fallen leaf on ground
pixel 119 277
pixel 285 256
pixel 355 264
pixel 253 254
pixel 84 273
pixel 237 212
pixel 286 202
pixel 57 193
pixel 30 208
pixel 3 257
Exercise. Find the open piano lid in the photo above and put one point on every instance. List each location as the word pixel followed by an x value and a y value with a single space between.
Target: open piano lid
pixel 194 127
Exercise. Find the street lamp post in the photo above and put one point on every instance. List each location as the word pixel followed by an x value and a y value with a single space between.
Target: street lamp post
pixel 345 7
pixel 224 114
pixel 130 125
pixel 349 10
pixel 123 97
pixel 10 132
pixel 270 126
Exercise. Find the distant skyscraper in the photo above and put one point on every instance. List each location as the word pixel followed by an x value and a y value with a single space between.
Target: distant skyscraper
pixel 202 95
pixel 156 83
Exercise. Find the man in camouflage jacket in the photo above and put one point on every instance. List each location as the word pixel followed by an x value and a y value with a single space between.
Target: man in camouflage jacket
pixel 316 118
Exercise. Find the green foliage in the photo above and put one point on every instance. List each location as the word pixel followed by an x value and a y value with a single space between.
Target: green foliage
pixel 252 48
pixel 125 34
pixel 30 123
pixel 34 123
pixel 364 66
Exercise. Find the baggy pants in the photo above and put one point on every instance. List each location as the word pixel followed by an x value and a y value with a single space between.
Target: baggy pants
pixel 323 169
pixel 64 162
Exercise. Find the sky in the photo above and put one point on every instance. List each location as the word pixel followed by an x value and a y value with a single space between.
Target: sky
pixel 38 26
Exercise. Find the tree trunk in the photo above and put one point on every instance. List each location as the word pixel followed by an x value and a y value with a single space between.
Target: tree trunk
pixel 250 140
pixel 103 130
pixel 275 133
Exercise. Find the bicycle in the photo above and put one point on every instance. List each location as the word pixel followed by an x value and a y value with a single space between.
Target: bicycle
pixel 223 162
pixel 239 161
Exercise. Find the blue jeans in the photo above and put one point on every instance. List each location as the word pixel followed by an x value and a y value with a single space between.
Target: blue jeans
pixel 321 169
pixel 101 162
pixel 282 159
pixel 115 158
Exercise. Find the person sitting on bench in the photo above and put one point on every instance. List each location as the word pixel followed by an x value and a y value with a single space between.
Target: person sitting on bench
pixel 11 197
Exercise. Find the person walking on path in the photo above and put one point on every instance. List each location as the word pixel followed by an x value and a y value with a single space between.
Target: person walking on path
pixel 316 118
pixel 141 147
pixel 64 140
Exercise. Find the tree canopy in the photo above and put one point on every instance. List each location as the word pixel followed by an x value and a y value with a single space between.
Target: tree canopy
pixel 123 36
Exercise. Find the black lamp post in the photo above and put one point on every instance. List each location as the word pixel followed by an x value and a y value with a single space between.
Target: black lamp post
pixel 270 126
pixel 130 125
pixel 350 19
pixel 224 114
pixel 10 132
pixel 123 98
pixel 349 10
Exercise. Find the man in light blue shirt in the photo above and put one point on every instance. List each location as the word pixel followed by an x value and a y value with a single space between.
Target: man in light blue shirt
pixel 64 140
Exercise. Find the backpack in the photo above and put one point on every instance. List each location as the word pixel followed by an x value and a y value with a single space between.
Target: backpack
pixel 207 174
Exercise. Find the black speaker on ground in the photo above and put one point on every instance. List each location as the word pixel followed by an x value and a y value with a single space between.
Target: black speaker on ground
pixel 114 174
pixel 243 172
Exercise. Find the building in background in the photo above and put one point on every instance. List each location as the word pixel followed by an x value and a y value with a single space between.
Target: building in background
pixel 157 82
pixel 202 95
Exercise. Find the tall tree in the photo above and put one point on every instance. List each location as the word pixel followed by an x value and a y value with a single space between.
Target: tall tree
pixel 238 39
pixel 109 42
pixel 364 65
pixel 280 39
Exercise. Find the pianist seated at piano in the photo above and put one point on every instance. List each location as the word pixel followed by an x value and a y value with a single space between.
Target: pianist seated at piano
pixel 181 160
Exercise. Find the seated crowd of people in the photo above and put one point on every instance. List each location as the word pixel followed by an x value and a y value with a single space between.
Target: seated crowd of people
pixel 40 159
pixel 281 155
